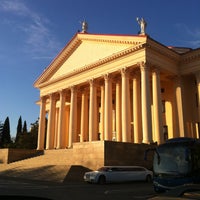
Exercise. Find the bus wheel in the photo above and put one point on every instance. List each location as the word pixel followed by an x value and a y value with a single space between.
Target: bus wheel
pixel 102 180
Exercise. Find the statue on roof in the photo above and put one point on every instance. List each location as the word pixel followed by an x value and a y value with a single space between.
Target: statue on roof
pixel 84 27
pixel 142 24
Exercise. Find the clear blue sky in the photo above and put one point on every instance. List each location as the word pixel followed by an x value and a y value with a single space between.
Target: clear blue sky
pixel 34 31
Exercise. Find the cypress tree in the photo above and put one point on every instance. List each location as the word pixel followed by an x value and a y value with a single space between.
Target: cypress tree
pixel 6 139
pixel 1 132
pixel 24 130
pixel 19 129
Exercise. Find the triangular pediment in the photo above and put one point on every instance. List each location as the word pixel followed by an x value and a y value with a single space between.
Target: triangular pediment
pixel 86 49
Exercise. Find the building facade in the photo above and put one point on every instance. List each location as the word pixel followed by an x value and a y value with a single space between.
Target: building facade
pixel 127 88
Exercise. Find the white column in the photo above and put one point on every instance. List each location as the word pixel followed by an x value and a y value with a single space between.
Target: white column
pixel 41 131
pixel 102 111
pixel 92 112
pixel 157 106
pixel 108 108
pixel 51 123
pixel 73 116
pixel 118 112
pixel 126 116
pixel 55 139
pixel 198 90
pixel 84 116
pixel 179 103
pixel 146 104
pixel 61 119
pixel 137 122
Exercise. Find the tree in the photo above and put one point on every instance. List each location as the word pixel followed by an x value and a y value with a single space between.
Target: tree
pixel 28 141
pixel 1 130
pixel 19 129
pixel 24 130
pixel 6 139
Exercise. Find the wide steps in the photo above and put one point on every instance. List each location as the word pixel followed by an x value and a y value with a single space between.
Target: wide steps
pixel 54 165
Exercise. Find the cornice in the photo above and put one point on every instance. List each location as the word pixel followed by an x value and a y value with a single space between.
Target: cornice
pixel 190 56
pixel 59 59
pixel 161 49
pixel 117 39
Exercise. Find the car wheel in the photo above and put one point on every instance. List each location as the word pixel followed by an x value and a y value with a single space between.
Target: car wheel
pixel 102 180
pixel 148 178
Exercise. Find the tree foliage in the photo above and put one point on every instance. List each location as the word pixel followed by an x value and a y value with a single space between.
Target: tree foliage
pixel 5 134
pixel 19 129
pixel 1 130
pixel 24 129
pixel 27 140
pixel 24 139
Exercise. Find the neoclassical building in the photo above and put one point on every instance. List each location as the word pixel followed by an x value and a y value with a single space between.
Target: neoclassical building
pixel 126 88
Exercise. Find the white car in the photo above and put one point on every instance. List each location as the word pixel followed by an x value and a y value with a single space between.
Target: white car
pixel 111 174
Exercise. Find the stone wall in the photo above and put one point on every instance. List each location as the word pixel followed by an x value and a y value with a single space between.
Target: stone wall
pixel 99 153
pixel 89 154
pixel 12 155
pixel 3 156
pixel 120 153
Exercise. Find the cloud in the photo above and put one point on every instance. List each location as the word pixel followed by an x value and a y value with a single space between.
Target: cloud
pixel 14 6
pixel 193 34
pixel 39 41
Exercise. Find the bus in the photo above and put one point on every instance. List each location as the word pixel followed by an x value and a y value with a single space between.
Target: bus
pixel 176 163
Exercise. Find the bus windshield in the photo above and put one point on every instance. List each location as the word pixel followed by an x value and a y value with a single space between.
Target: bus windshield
pixel 172 160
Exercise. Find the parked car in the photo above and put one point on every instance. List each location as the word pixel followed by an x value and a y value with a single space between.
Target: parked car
pixel 111 174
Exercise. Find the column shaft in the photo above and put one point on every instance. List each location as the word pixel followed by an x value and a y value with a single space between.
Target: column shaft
pixel 198 91
pixel 51 123
pixel 179 103
pixel 108 109
pixel 137 122
pixel 84 117
pixel 146 104
pixel 73 117
pixel 92 112
pixel 102 112
pixel 118 113
pixel 61 119
pixel 157 107
pixel 126 117
pixel 41 131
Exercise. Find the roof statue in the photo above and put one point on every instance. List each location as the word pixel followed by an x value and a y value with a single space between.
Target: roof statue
pixel 84 27
pixel 142 24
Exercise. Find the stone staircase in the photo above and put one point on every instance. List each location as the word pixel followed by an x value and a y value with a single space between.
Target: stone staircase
pixel 53 165
pixel 70 164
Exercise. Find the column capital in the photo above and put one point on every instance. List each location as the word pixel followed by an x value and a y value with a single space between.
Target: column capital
pixel 52 96
pixel 92 82
pixel 84 89
pixel 156 69
pixel 143 66
pixel 107 77
pixel 124 71
pixel 135 73
pixel 43 98
pixel 61 91
pixel 73 89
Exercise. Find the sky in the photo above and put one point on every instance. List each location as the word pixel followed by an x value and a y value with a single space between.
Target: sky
pixel 33 32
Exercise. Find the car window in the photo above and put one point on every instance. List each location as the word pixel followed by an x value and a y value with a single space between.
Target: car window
pixel 103 169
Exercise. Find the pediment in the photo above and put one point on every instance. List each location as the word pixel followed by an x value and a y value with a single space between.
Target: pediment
pixel 86 49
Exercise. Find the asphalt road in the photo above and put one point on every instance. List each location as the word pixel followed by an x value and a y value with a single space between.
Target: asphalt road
pixel 24 189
